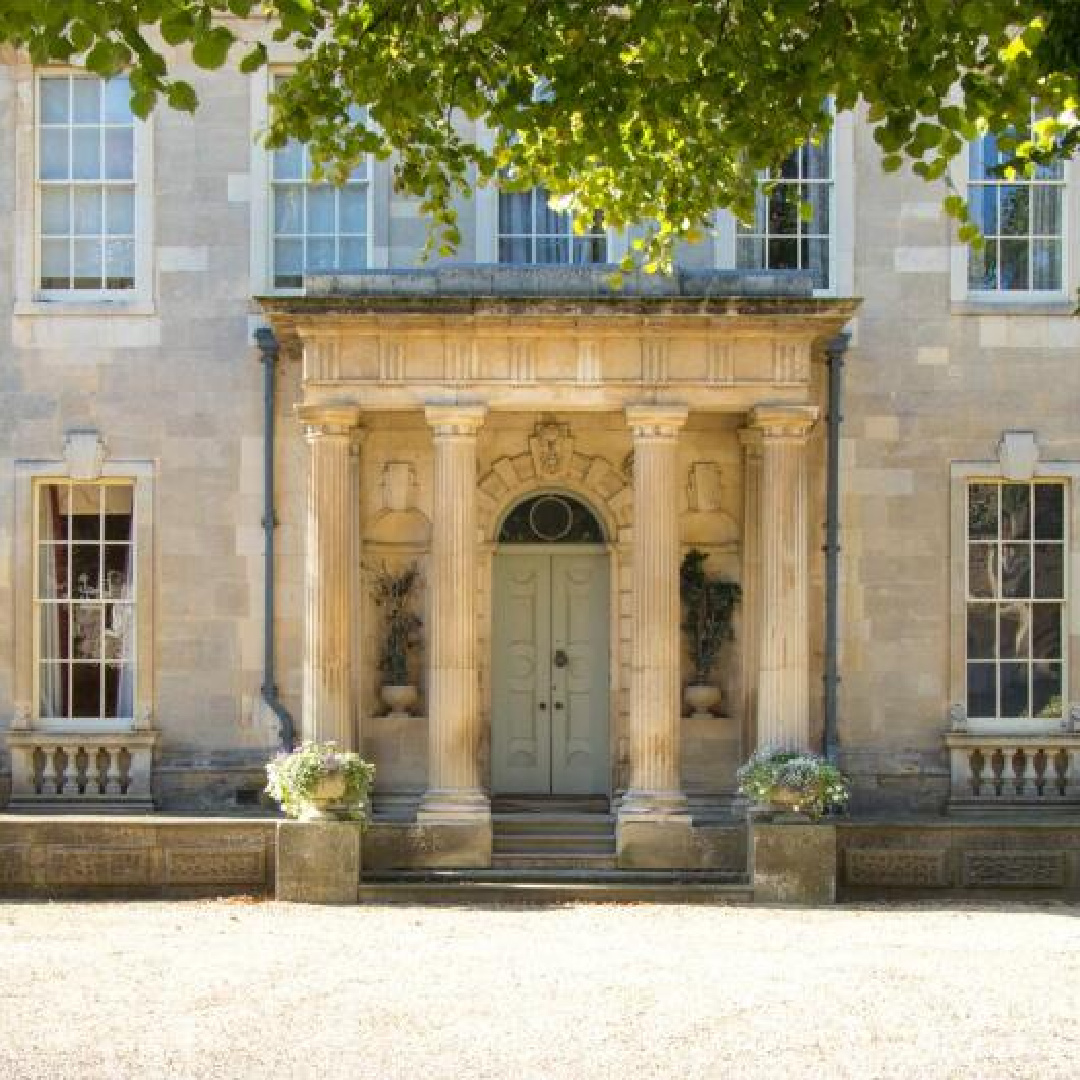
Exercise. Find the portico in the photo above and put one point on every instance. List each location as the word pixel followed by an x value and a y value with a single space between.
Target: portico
pixel 680 418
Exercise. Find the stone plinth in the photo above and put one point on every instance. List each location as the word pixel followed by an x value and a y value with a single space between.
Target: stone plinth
pixel 793 862
pixel 318 862
pixel 655 843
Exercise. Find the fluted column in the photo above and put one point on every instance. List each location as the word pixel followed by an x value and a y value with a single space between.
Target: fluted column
pixel 750 622
pixel 783 699
pixel 455 787
pixel 329 618
pixel 655 684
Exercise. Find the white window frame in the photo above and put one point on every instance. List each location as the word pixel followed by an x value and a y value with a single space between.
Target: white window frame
pixel 262 209
pixel 30 299
pixel 841 216
pixel 29 477
pixel 1024 302
pixel 962 474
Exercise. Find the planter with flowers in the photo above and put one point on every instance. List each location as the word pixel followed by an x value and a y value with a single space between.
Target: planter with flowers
pixel 794 782
pixel 317 781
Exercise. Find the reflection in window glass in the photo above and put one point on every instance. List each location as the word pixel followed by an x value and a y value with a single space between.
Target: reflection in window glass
pixel 1021 220
pixel 780 238
pixel 532 233
pixel 316 227
pixel 84 601
pixel 86 184
pixel 1015 600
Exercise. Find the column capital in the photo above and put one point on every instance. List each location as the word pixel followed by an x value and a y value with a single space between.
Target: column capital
pixel 783 422
pixel 332 418
pixel 655 422
pixel 455 421
pixel 750 440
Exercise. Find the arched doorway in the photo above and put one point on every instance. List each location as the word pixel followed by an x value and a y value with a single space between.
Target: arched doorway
pixel 550 650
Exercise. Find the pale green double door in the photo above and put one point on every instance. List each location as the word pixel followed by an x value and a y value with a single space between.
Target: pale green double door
pixel 550 673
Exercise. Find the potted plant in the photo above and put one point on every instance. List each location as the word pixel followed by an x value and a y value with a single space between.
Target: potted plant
pixel 795 781
pixel 394 593
pixel 708 607
pixel 318 781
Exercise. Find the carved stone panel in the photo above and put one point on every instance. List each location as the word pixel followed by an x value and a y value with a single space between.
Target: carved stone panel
pixel 86 866
pixel 896 868
pixel 210 866
pixel 14 864
pixel 1015 869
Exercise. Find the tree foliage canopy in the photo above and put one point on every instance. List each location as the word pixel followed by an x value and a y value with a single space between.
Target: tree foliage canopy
pixel 638 109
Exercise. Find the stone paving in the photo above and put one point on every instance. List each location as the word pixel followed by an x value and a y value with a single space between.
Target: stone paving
pixel 250 989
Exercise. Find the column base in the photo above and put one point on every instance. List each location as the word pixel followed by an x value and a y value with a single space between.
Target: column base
pixel 642 804
pixel 453 804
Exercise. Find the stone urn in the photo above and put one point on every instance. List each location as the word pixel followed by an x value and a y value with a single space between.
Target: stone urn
pixel 787 804
pixel 324 803
pixel 399 700
pixel 701 699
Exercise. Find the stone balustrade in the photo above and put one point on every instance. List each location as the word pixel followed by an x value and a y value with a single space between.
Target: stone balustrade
pixel 1014 770
pixel 95 771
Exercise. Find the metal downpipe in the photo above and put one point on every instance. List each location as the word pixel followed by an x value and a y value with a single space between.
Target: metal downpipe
pixel 835 350
pixel 268 355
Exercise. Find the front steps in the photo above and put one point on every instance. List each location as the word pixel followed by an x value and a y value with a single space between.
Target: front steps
pixel 553 839
pixel 554 850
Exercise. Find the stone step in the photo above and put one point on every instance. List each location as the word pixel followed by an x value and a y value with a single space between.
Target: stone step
pixel 596 887
pixel 556 860
pixel 550 804
pixel 554 842
pixel 553 824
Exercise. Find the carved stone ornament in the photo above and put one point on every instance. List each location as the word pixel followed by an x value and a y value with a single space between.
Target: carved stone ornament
pixel 1018 453
pixel 703 487
pixel 84 452
pixel 552 447
pixel 1074 716
pixel 957 717
pixel 398 486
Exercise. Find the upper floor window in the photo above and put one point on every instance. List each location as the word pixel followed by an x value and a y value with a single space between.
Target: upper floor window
pixel 317 227
pixel 84 601
pixel 532 233
pixel 1022 222
pixel 86 185
pixel 781 238
pixel 1015 600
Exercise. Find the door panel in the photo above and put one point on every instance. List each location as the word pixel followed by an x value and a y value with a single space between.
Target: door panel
pixel 579 710
pixel 521 651
pixel 549 714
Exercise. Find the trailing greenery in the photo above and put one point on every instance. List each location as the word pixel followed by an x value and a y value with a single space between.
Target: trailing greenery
pixel 817 784
pixel 708 606
pixel 394 593
pixel 292 778
pixel 638 110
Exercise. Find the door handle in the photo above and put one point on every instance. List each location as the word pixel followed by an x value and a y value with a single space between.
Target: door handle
pixel 558 704
pixel 561 659
pixel 542 706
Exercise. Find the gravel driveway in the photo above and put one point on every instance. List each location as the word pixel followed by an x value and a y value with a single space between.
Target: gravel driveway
pixel 240 989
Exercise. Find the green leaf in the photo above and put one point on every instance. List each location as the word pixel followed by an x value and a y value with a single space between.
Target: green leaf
pixel 212 47
pixel 181 96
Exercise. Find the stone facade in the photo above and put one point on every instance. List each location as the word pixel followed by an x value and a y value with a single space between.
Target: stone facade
pixel 416 408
